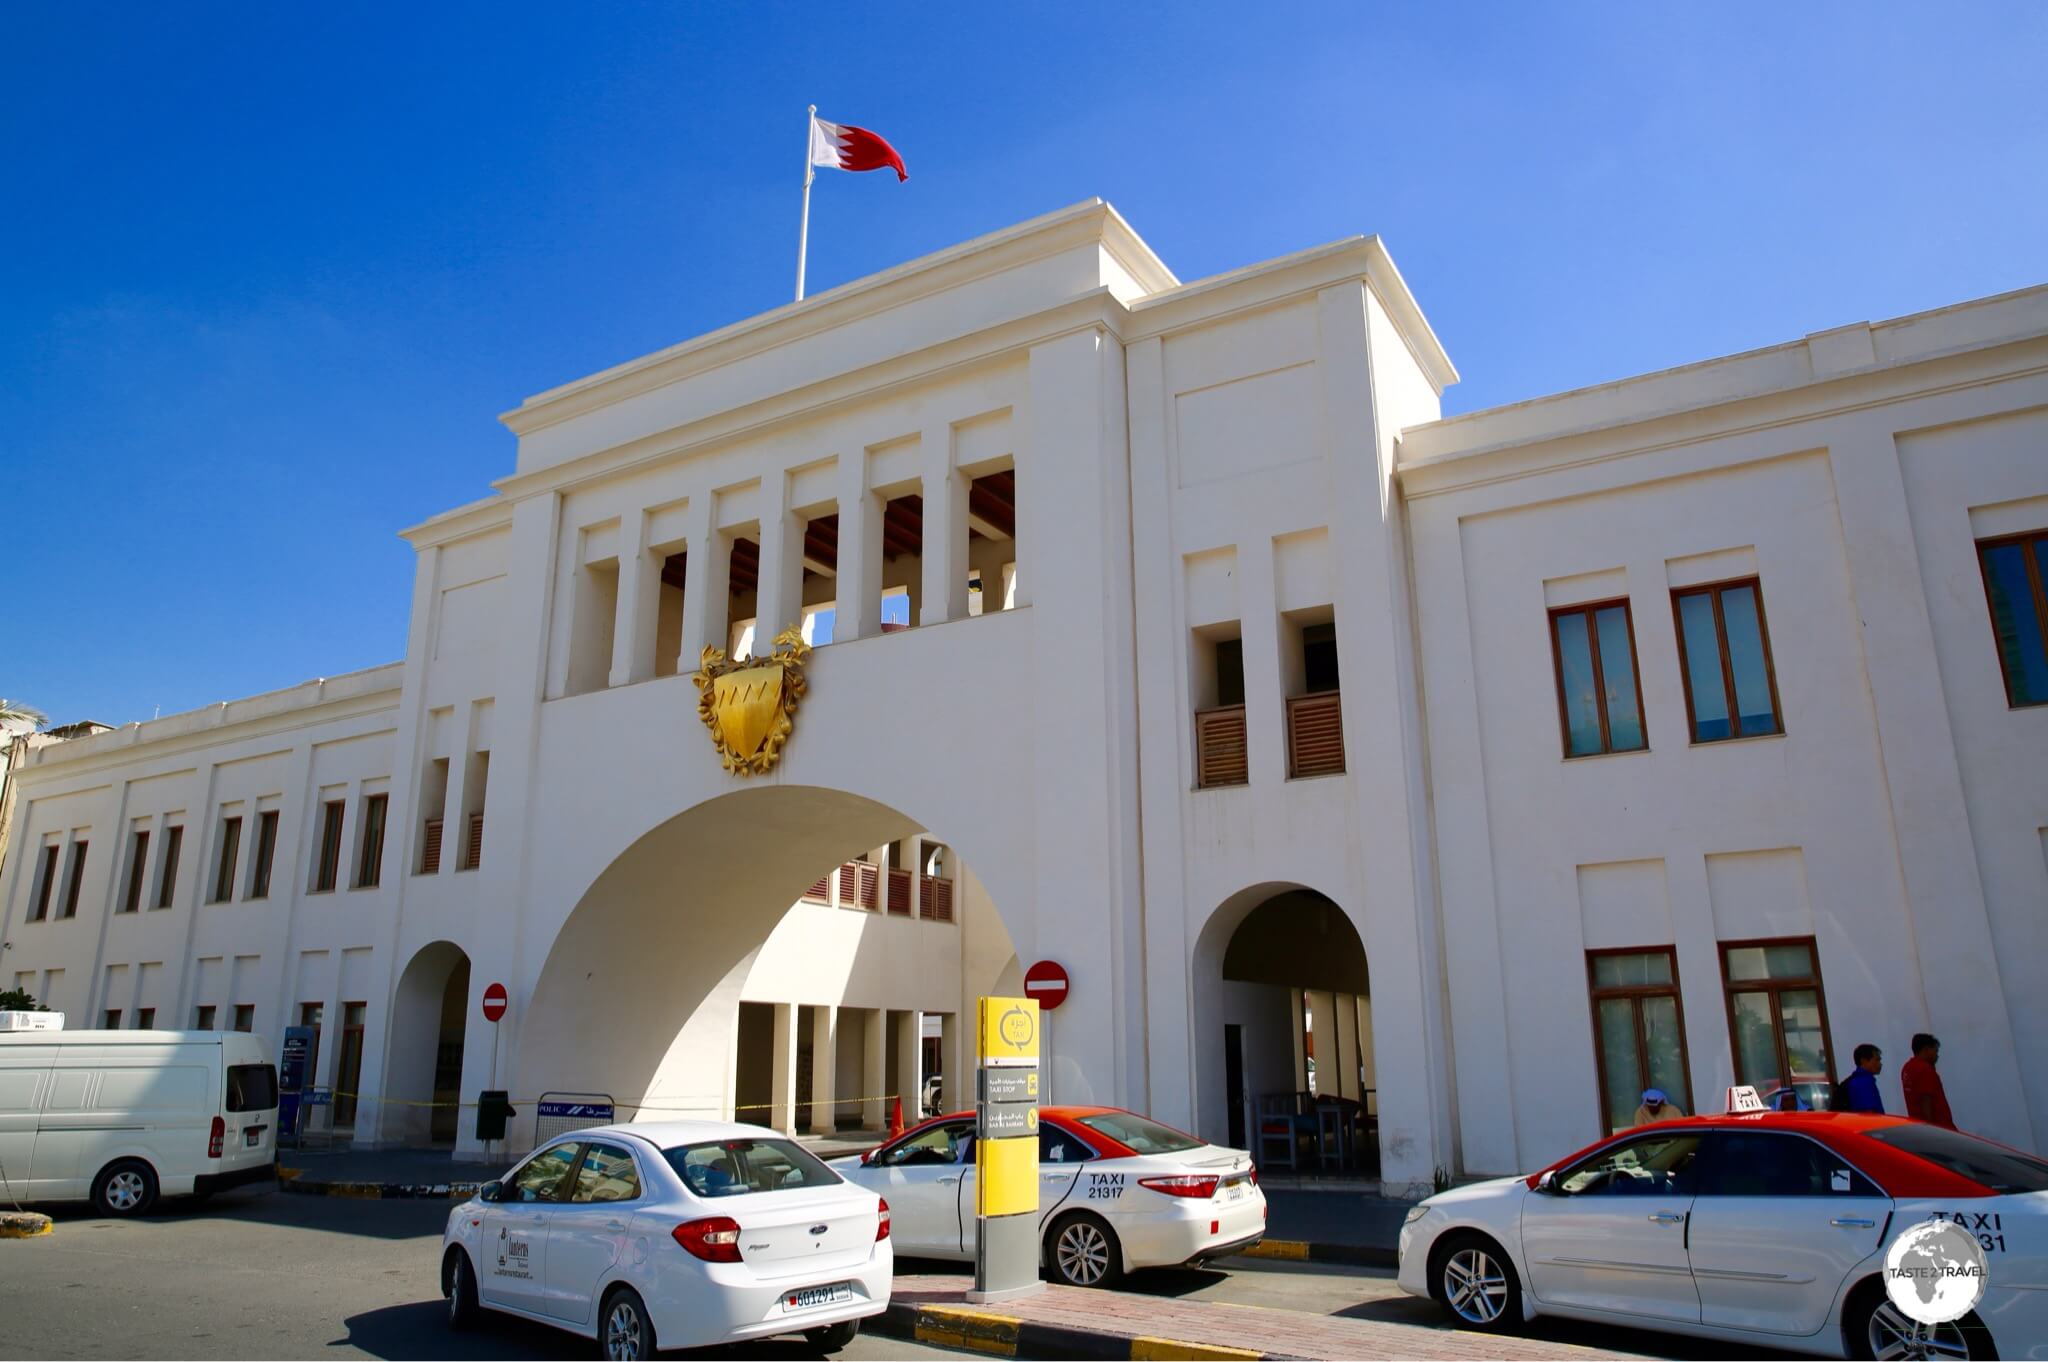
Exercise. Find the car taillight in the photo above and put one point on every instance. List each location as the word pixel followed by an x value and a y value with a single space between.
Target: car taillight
pixel 213 1140
pixel 882 1227
pixel 715 1239
pixel 1254 1175
pixel 1198 1185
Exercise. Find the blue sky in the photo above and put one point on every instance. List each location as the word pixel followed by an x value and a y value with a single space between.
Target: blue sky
pixel 268 273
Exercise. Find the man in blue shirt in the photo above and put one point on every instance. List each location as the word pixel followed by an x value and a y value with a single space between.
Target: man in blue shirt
pixel 1860 1087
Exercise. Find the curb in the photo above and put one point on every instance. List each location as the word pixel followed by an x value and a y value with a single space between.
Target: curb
pixel 295 1181
pixel 1303 1251
pixel 25 1225
pixel 953 1326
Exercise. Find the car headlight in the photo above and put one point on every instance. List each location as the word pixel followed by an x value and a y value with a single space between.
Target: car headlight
pixel 1415 1213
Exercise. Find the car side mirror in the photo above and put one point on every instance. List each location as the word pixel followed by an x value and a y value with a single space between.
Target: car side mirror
pixel 1547 1184
pixel 867 1158
pixel 490 1191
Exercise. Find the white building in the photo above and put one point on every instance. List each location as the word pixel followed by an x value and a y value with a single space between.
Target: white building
pixel 1663 732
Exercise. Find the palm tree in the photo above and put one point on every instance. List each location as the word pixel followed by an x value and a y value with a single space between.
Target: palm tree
pixel 14 712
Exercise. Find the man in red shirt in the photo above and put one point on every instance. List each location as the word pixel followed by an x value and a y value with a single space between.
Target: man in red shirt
pixel 1925 1100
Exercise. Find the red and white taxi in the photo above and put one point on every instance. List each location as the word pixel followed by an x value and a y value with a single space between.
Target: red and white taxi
pixel 1116 1192
pixel 1755 1227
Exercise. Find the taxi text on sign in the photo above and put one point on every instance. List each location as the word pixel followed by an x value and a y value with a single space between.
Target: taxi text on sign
pixel 1009 1032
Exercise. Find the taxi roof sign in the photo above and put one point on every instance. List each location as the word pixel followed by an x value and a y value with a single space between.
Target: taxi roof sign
pixel 1008 1033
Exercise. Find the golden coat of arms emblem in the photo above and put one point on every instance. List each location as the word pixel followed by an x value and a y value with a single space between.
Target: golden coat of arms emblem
pixel 749 704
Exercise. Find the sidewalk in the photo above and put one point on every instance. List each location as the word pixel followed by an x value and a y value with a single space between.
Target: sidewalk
pixel 1067 1322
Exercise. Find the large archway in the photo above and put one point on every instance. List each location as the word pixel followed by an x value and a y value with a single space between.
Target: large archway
pixel 640 992
pixel 1283 994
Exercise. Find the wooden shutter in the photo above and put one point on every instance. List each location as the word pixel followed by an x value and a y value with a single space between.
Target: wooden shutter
pixel 430 848
pixel 1315 735
pixel 938 898
pixel 473 853
pixel 899 892
pixel 1220 747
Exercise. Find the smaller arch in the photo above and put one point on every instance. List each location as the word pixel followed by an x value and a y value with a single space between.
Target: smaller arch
pixel 428 1032
pixel 1281 991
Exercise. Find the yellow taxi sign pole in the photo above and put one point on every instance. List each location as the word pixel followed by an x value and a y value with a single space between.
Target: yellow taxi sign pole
pixel 1006 1150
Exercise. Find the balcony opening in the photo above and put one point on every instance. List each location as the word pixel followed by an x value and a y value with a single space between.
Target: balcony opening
pixel 992 542
pixel 433 808
pixel 594 617
pixel 1217 682
pixel 742 582
pixel 474 791
pixel 668 612
pixel 1315 715
pixel 935 883
pixel 821 577
pixel 902 560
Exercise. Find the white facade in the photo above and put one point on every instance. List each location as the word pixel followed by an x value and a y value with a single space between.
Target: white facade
pixel 1242 477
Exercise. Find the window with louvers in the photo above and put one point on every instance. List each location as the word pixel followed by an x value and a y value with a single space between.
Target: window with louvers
pixel 430 847
pixel 473 850
pixel 938 898
pixel 1220 757
pixel 1315 735
pixel 899 892
pixel 859 886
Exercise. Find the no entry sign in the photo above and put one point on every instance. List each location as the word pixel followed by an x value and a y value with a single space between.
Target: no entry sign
pixel 494 1002
pixel 1046 984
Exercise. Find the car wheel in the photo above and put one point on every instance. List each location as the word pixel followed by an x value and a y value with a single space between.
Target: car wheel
pixel 124 1188
pixel 624 1333
pixel 1472 1278
pixel 1082 1251
pixel 833 1337
pixel 1874 1327
pixel 461 1286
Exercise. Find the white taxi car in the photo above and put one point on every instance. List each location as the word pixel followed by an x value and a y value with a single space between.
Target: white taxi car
pixel 1755 1227
pixel 672 1235
pixel 1116 1192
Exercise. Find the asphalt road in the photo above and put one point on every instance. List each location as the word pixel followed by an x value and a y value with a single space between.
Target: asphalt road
pixel 250 1275
pixel 262 1275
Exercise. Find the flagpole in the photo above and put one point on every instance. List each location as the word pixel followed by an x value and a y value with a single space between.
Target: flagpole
pixel 803 232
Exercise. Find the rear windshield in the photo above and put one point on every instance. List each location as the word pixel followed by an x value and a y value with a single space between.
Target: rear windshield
pixel 1146 1137
pixel 252 1087
pixel 2001 1169
pixel 736 1167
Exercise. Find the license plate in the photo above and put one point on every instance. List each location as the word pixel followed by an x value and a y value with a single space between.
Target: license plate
pixel 1234 1192
pixel 811 1297
pixel 252 1136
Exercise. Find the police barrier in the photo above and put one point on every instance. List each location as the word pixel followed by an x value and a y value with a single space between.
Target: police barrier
pixel 559 1112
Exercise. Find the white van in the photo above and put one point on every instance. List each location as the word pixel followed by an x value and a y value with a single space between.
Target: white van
pixel 119 1117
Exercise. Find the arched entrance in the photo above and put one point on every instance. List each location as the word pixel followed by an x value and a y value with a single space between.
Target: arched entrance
pixel 640 993
pixel 1285 1062
pixel 429 1025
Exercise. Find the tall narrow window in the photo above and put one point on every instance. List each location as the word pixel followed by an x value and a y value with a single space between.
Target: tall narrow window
pixel 310 1016
pixel 138 870
pixel 1724 654
pixel 230 849
pixel 1638 1031
pixel 348 1075
pixel 245 1016
pixel 266 853
pixel 1778 1018
pixel 202 1017
pixel 328 868
pixel 1221 754
pixel 1599 696
pixel 370 870
pixel 145 1019
pixel 74 878
pixel 46 883
pixel 112 1021
pixel 167 881
pixel 2014 589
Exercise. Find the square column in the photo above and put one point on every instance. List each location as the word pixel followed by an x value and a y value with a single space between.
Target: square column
pixel 706 600
pixel 955 1088
pixel 778 594
pixel 782 1089
pixel 910 1064
pixel 824 1069
pixel 944 589
pixel 859 600
pixel 639 605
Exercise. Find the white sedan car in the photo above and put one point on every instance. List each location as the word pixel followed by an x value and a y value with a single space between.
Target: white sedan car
pixel 672 1235
pixel 1764 1228
pixel 1116 1192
